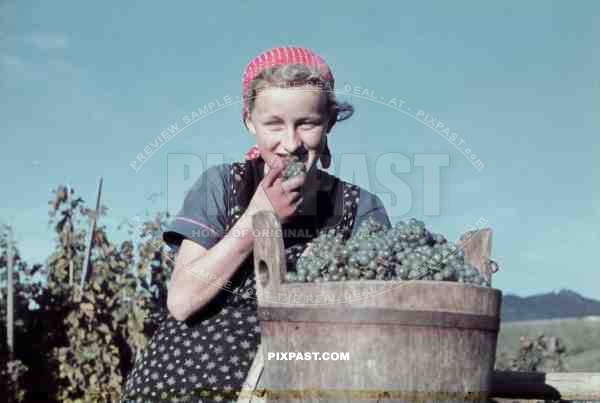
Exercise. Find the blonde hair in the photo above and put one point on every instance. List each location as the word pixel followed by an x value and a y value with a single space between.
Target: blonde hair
pixel 292 75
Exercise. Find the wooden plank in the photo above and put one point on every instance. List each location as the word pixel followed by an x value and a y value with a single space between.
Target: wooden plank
pixel 509 386
pixel 248 393
pixel 478 248
pixel 269 252
pixel 546 386
pixel 379 316
pixel 450 296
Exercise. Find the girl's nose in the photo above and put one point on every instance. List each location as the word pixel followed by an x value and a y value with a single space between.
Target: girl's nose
pixel 291 140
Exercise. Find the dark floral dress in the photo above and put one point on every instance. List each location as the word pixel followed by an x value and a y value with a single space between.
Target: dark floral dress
pixel 206 358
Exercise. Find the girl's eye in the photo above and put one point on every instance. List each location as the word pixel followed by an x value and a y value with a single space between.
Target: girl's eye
pixel 274 126
pixel 308 125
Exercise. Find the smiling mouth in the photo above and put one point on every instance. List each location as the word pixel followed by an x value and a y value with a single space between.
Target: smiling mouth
pixel 287 158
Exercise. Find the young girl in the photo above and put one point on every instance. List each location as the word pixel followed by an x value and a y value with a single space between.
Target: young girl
pixel 204 347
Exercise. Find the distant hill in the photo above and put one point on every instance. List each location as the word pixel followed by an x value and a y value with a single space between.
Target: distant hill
pixel 554 305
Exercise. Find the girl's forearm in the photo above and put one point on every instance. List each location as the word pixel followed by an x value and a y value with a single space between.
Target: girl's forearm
pixel 201 277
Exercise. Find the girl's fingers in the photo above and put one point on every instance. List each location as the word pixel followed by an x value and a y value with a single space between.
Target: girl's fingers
pixel 293 183
pixel 298 203
pixel 292 197
pixel 274 170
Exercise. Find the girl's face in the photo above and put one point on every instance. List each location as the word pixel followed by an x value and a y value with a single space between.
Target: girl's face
pixel 289 121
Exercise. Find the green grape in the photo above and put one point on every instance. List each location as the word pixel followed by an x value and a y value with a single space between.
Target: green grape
pixel 400 256
pixel 295 168
pixel 432 264
pixel 369 274
pixel 439 239
pixel 398 227
pixel 401 272
pixel 354 273
pixel 415 266
pixel 384 254
pixel 447 273
pixel 363 259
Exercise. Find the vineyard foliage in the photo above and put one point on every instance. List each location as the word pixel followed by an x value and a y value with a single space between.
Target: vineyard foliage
pixel 542 353
pixel 73 344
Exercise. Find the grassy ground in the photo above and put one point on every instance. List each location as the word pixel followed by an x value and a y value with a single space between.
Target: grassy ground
pixel 581 337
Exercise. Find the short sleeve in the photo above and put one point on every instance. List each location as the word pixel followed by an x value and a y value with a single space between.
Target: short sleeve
pixel 369 205
pixel 203 216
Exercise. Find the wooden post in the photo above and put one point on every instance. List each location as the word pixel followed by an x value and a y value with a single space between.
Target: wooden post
pixel 248 394
pixel 90 240
pixel 10 299
pixel 69 255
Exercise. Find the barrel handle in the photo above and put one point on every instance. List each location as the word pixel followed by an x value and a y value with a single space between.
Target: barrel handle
pixel 269 253
pixel 478 248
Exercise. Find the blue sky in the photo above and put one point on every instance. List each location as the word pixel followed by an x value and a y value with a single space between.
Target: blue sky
pixel 86 87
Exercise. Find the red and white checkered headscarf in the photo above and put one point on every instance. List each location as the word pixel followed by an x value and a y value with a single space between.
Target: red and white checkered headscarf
pixel 278 57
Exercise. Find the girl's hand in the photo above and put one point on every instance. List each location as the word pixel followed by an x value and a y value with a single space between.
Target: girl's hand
pixel 276 195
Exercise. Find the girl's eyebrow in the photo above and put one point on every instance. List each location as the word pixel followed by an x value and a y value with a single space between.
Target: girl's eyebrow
pixel 312 116
pixel 271 117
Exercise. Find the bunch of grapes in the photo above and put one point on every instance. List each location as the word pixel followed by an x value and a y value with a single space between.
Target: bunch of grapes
pixel 296 167
pixel 406 251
